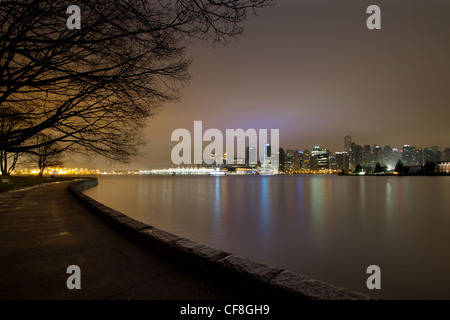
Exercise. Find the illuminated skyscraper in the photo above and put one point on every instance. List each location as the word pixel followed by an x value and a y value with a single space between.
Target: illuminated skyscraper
pixel 271 160
pixel 289 160
pixel 366 154
pixel 320 158
pixel 377 153
pixel 418 158
pixel 250 156
pixel 343 160
pixel 306 163
pixel 293 160
pixel 299 160
pixel 408 154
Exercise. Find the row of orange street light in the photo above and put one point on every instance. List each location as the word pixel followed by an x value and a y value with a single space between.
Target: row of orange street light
pixel 58 171
pixel 309 171
pixel 72 171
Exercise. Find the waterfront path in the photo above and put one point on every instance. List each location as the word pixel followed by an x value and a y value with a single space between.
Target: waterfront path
pixel 43 230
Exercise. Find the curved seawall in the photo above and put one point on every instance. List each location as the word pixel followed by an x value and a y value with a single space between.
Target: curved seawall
pixel 276 282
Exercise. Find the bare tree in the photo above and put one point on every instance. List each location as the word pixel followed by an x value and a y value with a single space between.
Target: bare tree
pixel 93 88
pixel 8 160
pixel 47 155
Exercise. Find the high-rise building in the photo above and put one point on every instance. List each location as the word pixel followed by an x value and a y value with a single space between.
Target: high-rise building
pixel 357 151
pixel 387 151
pixel 390 157
pixel 289 160
pixel 281 160
pixel 293 160
pixel 433 154
pixel 271 159
pixel 418 158
pixel 377 154
pixel 352 155
pixel 387 154
pixel 333 162
pixel 306 164
pixel 366 154
pixel 342 160
pixel 251 156
pixel 408 155
pixel 396 154
pixel 320 158
pixel 447 154
pixel 298 160
pixel 348 143
pixel 437 153
pixel 428 155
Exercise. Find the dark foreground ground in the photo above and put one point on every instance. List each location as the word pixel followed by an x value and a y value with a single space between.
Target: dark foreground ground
pixel 43 230
pixel 13 182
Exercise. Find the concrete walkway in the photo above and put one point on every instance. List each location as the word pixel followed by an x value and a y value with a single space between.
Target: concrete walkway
pixel 45 229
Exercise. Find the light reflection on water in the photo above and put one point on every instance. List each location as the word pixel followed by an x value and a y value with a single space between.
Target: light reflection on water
pixel 326 227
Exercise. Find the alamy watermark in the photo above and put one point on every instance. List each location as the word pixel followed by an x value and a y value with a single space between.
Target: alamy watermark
pixel 74 280
pixel 374 280
pixel 74 21
pixel 259 148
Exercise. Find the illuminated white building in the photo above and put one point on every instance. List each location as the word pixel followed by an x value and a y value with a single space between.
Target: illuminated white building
pixel 320 158
pixel 443 167
pixel 270 162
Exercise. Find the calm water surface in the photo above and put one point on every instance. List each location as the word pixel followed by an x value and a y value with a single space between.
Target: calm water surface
pixel 330 228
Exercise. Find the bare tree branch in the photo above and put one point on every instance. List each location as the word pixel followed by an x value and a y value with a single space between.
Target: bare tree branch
pixel 94 88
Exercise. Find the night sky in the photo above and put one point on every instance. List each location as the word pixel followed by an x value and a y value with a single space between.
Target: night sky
pixel 313 70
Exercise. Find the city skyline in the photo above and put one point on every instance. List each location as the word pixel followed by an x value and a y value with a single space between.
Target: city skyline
pixel 444 155
pixel 342 148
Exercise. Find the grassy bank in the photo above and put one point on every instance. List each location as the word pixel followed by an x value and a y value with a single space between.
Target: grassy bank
pixel 17 181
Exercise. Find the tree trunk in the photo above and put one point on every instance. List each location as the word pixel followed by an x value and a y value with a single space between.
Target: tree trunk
pixel 4 163
pixel 13 164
